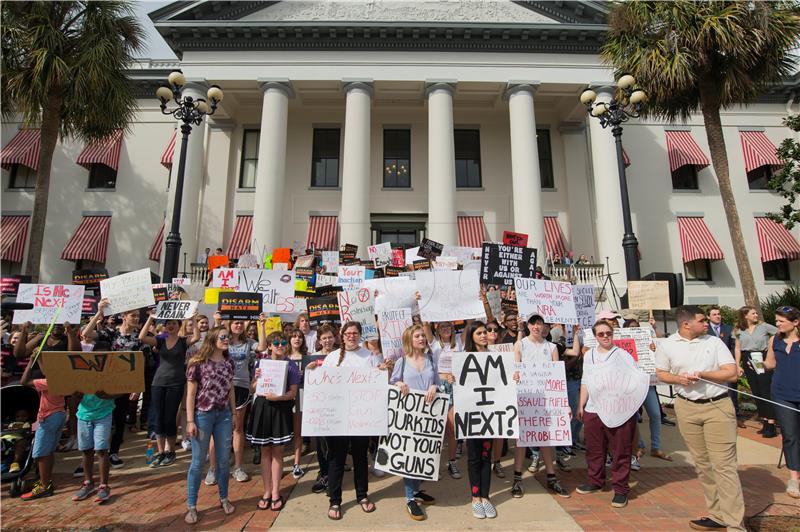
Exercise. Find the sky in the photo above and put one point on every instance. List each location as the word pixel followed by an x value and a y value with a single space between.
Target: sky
pixel 156 46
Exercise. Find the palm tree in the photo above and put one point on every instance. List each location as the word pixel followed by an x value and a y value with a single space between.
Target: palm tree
pixel 706 55
pixel 63 69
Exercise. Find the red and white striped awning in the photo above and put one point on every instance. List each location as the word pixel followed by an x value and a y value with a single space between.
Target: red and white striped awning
pixel 14 231
pixel 625 159
pixel 158 242
pixel 23 149
pixel 697 242
pixel 682 150
pixel 554 237
pixel 323 233
pixel 758 150
pixel 105 151
pixel 240 240
pixel 775 241
pixel 90 240
pixel 472 231
pixel 166 157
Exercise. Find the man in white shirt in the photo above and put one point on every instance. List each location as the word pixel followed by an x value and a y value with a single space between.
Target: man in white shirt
pixel 705 413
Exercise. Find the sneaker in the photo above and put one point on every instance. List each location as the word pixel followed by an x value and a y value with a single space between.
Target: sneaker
pixel 157 459
pixel 569 451
pixel 534 467
pixel 588 488
pixel 705 523
pixel 619 500
pixel 115 461
pixel 14 468
pixel 87 488
pixel 516 489
pixel 103 493
pixel 424 498
pixel 78 473
pixel 169 458
pixel 498 470
pixel 579 447
pixel 555 486
pixel 211 477
pixel 562 465
pixel 297 471
pixel 635 465
pixel 186 445
pixel 39 491
pixel 377 472
pixel 608 460
pixel 239 475
pixel 564 455
pixel 414 511
pixel 489 509
pixel 459 450
pixel 478 511
pixel 452 469
pixel 320 485
pixel 667 421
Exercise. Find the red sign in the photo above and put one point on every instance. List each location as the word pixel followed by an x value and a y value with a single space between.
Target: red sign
pixel 511 238
pixel 399 258
pixel 628 344
pixel 10 285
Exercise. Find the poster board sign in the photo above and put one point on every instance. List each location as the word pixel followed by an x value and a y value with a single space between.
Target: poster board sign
pixel 47 300
pixel 239 305
pixel 89 276
pixel 224 277
pixel 544 413
pixel 351 276
pixel 449 296
pixel 552 300
pixel 445 263
pixel 583 295
pixel 397 292
pixel 281 256
pixel 398 258
pixel 112 372
pixel 211 295
pixel 510 238
pixel 494 299
pixel 501 264
pixel 292 307
pixel 273 285
pixel 247 260
pixel 330 261
pixel 413 446
pixel 357 305
pixel 634 340
pixel 323 310
pixel 412 255
pixel 618 389
pixel 381 254
pixel 648 295
pixel 181 281
pixel 10 283
pixel 461 253
pixel 323 280
pixel 392 323
pixel 345 402
pixel 127 291
pixel 430 249
pixel 485 395
pixel 272 377
pixel 175 310
pixel 272 324
pixel 217 261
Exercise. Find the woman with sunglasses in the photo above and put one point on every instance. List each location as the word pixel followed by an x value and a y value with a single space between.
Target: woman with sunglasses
pixel 210 403
pixel 297 349
pixel 326 335
pixel 270 424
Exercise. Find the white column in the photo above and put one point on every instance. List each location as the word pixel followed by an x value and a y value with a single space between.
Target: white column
pixel 525 175
pixel 354 216
pixel 442 216
pixel 579 189
pixel 271 171
pixel 607 195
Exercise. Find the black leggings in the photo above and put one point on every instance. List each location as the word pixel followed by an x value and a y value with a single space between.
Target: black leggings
pixel 118 418
pixel 337 453
pixel 760 385
pixel 479 467
pixel 165 402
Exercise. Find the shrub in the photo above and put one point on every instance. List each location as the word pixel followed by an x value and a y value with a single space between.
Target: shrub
pixel 789 297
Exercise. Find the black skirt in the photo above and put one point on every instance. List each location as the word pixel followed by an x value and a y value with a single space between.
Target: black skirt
pixel 270 422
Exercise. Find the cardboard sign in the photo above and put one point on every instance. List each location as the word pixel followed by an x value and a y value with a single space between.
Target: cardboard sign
pixel 273 285
pixel 112 372
pixel 323 310
pixel 544 413
pixel 10 284
pixel 501 264
pixel 211 295
pixel 239 305
pixel 485 395
pixel 272 377
pixel 511 238
pixel 392 323
pixel 224 277
pixel 449 296
pixel 551 300
pixel 583 296
pixel 413 446
pixel 351 277
pixel 345 402
pixel 47 300
pixel 128 291
pixel 648 295
pixel 430 249
pixel 617 389
pixel 398 258
pixel 89 277
pixel 357 305
pixel 217 261
pixel 175 310
pixel 381 254
pixel 330 261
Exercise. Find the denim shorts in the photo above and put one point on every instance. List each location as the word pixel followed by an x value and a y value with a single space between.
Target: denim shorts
pixel 47 434
pixel 94 434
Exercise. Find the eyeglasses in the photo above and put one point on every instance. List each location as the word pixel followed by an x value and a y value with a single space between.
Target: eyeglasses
pixel 222 337
pixel 279 342
pixel 492 329
pixel 604 334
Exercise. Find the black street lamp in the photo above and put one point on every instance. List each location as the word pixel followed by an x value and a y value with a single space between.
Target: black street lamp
pixel 190 111
pixel 614 113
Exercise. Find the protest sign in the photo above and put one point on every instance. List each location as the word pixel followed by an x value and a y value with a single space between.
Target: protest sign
pixel 430 249
pixel 461 253
pixel 273 285
pixel 494 298
pixel 216 261
pixel 408 275
pixel 413 446
pixel 181 281
pixel 412 255
pixel 211 295
pixel 49 299
pixel 634 340
pixel 160 293
pixel 305 274
pixel 398 258
pixel 89 306
pixel 449 295
pixel 394 271
pixel 423 264
pixel 617 390
pixel 345 402
pixel 112 372
pixel 271 377
pixel 544 413
pixel 327 291
pixel 347 254
pixel 511 238
pixel 583 296
pixel 357 305
pixel 224 277
pixel 89 276
pixel 351 277
pixel 10 284
pixel 485 395
pixel 304 261
pixel 445 263
pixel 323 280
pixel 247 260
pixel 381 254
pixel 392 323
pixel 127 292
pixel 175 310
pixel 291 307
pixel 648 295
pixel 397 292
pixel 501 264
pixel 239 305
pixel 551 300
pixel 509 305
pixel 501 348
pixel 281 256
pixel 330 261
pixel 272 325
pixel 323 310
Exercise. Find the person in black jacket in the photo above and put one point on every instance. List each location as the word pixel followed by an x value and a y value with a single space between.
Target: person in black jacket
pixel 724 332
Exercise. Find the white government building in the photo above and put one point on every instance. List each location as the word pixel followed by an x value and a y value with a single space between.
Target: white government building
pixel 376 121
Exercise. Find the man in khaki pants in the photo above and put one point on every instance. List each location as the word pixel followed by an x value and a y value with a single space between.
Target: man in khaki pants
pixel 705 413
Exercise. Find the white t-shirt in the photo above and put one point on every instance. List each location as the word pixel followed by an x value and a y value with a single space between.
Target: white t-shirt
pixel 536 351
pixel 678 355
pixel 595 357
pixel 360 358
pixel 438 349
pixel 311 341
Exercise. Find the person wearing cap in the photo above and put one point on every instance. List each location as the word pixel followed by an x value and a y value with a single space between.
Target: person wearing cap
pixel 705 413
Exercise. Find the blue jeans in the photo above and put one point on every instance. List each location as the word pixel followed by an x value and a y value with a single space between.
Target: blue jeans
pixel 411 486
pixel 790 432
pixel 654 415
pixel 573 396
pixel 217 423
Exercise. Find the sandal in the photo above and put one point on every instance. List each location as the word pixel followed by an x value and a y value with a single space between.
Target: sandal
pixel 661 455
pixel 280 500
pixel 264 504
pixel 191 516
pixel 227 507
pixel 337 512
pixel 367 505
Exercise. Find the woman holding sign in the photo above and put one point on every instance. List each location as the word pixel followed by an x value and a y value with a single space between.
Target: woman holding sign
pixel 417 371
pixel 327 340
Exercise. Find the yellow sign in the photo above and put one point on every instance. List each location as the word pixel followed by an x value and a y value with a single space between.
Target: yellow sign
pixel 273 325
pixel 211 297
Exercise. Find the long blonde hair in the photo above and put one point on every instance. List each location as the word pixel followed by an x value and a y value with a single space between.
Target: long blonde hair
pixel 408 339
pixel 209 346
